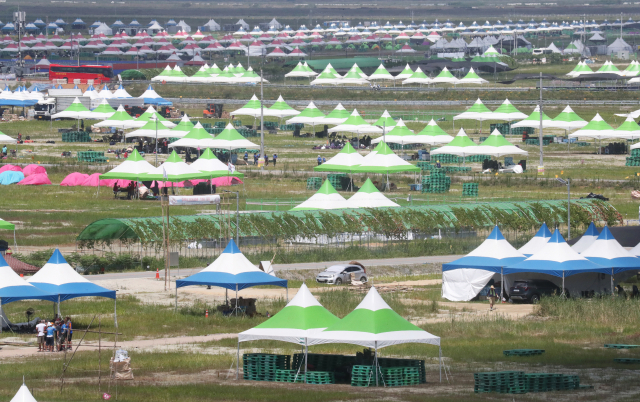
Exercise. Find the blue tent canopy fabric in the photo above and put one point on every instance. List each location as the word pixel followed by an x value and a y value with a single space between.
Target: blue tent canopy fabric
pixel 59 278
pixel 231 270
pixel 14 288
pixel 492 255
pixel 606 251
pixel 558 259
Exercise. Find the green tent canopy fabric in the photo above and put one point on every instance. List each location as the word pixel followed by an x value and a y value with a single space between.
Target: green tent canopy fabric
pixel 461 145
pixel 197 137
pixel 384 160
pixel 7 225
pixel 75 111
pixel 569 120
pixel 103 111
pixel 628 130
pixel 174 170
pixel 597 128
pixel 370 197
pixel 497 145
pixel 356 124
pixel 230 139
pixel 325 198
pixel 533 120
pixel 208 163
pixel 337 116
pixel 385 120
pixel 345 161
pixel 508 112
pixel 251 108
pixel 432 134
pixel 400 134
pixel 299 319
pixel 133 168
pixel 373 324
pixel 478 111
pixel 310 115
pixel 281 109
pixel 120 119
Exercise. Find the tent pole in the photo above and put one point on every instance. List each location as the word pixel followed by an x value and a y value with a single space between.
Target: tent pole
pixel 376 362
pixel 440 358
pixel 15 244
pixel 237 297
pixel 501 283
pixel 612 292
pixel 287 292
pixel 115 312
pixel 238 361
pixel 176 310
pixel 306 359
pixel 59 314
pixel 562 283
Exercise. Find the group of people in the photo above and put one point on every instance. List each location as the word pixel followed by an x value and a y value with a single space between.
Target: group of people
pixel 54 336
pixel 256 158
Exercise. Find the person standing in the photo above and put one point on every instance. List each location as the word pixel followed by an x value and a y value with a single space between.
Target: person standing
pixel 57 337
pixel 41 329
pixel 49 337
pixel 275 158
pixel 255 159
pixel 493 295
pixel 69 332
pixel 319 160
pixel 246 157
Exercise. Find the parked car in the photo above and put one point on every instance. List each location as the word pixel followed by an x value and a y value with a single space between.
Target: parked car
pixel 531 290
pixel 339 274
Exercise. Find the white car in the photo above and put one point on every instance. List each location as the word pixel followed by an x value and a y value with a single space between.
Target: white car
pixel 339 274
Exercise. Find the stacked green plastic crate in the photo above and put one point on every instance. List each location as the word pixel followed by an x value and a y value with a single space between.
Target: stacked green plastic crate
pixel 91 157
pixel 544 382
pixel 401 376
pixel 314 183
pixel 469 189
pixel 634 159
pixel 76 136
pixel 220 124
pixel 363 376
pixel 504 382
pixel 417 364
pixel 436 182
pixel 336 180
pixel 263 366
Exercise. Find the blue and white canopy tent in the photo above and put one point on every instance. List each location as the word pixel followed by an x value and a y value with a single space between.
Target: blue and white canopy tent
pixel 587 239
pixel 606 251
pixel 151 97
pixel 232 271
pixel 557 258
pixel 59 278
pixel 537 241
pixel 14 288
pixel 465 277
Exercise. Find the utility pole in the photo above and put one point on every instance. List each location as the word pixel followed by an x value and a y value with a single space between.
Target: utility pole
pixel 261 117
pixel 541 164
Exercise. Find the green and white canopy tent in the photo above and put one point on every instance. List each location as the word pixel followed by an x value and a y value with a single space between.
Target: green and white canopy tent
pixel 5 139
pixel 164 74
pixel 133 168
pixel 309 69
pixel 184 126
pixel 201 76
pixel 381 73
pixel 151 129
pixel 208 163
pixel 302 317
pixel 569 120
pixel 632 69
pixel 384 160
pixel 491 52
pixel 4 225
pixel 580 69
pixel 174 169
pixel 337 116
pixel 197 137
pixel 373 324
pixel 299 71
pixel 432 134
pixel 497 145
pixel 250 76
pixel 508 112
pixel 214 70
pixel 478 112
pixel 399 134
pixel 231 139
pixel 597 128
pixel 75 111
pixel 533 120
pixel 325 78
pixel 404 74
pixel 370 197
pixel 385 120
pixel 356 124
pixel 146 117
pixel 461 145
pixel 359 71
pixel 311 115
pixel 628 130
pixel 352 77
pixel 609 67
pixel 120 119
pixel 325 198
pixel 344 161
pixel 280 109
pixel 418 77
pixel 251 108
pixel 103 111
pixel 472 78
pixel 445 77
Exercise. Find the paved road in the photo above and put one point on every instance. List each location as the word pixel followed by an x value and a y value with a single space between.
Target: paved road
pixel 292 267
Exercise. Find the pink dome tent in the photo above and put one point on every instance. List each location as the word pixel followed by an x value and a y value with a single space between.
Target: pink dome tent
pixel 74 179
pixel 36 179
pixel 10 168
pixel 34 169
pixel 94 179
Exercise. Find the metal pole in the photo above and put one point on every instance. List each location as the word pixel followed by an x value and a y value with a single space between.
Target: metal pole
pixel 156 141
pixel 541 165
pixel 562 283
pixel 440 357
pixel 237 298
pixel 375 367
pixel 261 117
pixel 238 360
pixel 306 359
pixel 612 292
pixel 237 217
pixel 568 209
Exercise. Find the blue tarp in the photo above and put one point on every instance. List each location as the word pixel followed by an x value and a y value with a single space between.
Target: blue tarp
pixel 10 177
